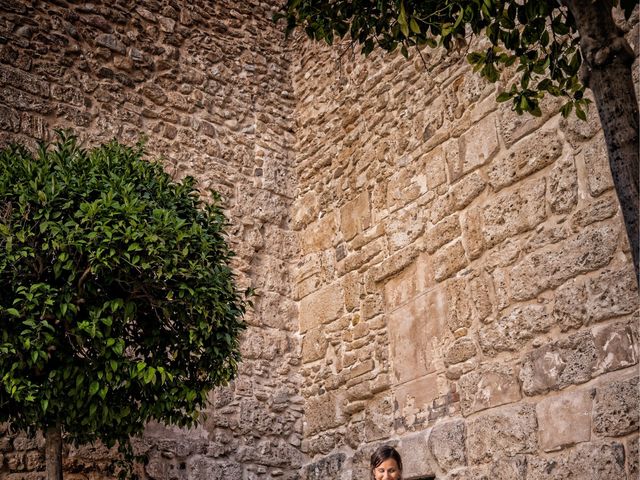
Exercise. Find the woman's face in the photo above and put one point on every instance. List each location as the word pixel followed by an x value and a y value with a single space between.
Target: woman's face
pixel 387 470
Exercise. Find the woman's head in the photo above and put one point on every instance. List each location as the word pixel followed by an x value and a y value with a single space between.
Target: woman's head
pixel 386 464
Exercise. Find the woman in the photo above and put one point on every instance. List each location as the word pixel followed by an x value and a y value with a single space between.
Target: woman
pixel 386 464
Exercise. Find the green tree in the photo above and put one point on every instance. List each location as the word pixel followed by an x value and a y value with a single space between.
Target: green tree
pixel 117 301
pixel 558 47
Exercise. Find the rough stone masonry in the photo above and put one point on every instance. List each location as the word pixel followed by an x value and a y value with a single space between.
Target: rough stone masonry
pixel 432 270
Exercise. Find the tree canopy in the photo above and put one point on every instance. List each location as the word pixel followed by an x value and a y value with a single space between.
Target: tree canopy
pixel 117 300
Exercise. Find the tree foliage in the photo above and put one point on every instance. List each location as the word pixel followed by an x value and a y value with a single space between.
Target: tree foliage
pixel 117 301
pixel 539 37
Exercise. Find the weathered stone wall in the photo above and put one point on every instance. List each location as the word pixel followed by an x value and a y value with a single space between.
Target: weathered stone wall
pixel 208 83
pixel 465 288
pixel 432 270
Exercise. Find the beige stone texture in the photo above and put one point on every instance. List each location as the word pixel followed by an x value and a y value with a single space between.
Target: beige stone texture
pixel 550 266
pixel 489 386
pixel 355 216
pixel 564 420
pixel 616 409
pixel 447 443
pixel 505 432
pixel 528 156
pixel 416 332
pixel 412 399
pixel 321 307
pixel 616 346
pixel 554 366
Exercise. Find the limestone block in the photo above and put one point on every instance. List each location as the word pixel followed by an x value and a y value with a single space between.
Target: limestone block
pixel 416 278
pixel 416 458
pixel 616 410
pixel 458 304
pixel 514 212
pixel 587 461
pixel 633 456
pixel 505 432
pixel 461 194
pixel 373 251
pixel 605 206
pixel 472 232
pixel 447 444
pixel 480 288
pixel 612 293
pixel 403 227
pixel 461 350
pixel 352 289
pixel 490 386
pixel 552 265
pixel 570 309
pixel 564 420
pixel 327 467
pixel 323 412
pixel 442 233
pixel 378 421
pixel 524 158
pixel 395 263
pixel 320 234
pixel 509 468
pixel 305 209
pixel 402 189
pixel 449 260
pixel 568 361
pixel 513 126
pixel 434 167
pixel 596 160
pixel 512 331
pixel 355 216
pixel 477 146
pixel 414 397
pixel 203 468
pixel 314 345
pixel 416 334
pixel 616 346
pixel 563 185
pixel 320 307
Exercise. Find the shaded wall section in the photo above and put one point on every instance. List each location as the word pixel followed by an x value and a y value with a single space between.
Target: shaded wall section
pixel 465 290
pixel 207 83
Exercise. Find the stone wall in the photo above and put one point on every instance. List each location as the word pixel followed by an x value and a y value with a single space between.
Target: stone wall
pixel 432 270
pixel 208 83
pixel 465 289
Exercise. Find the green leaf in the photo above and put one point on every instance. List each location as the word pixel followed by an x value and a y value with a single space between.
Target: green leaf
pixel 93 388
pixel 504 96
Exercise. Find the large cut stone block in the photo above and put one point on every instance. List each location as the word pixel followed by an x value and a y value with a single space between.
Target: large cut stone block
pixel 506 432
pixel 564 420
pixel 524 158
pixel 477 146
pixel 319 235
pixel 552 265
pixel 355 216
pixel 323 412
pixel 616 347
pixel 447 444
pixel 490 386
pixel 616 411
pixel 514 212
pixel 320 307
pixel 512 331
pixel 416 332
pixel 416 458
pixel 569 361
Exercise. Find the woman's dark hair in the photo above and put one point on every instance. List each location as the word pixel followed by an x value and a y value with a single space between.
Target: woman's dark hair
pixel 382 453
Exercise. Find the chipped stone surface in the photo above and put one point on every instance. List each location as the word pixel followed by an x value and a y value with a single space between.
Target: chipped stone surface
pixel 447 444
pixel 616 410
pixel 506 432
pixel 489 386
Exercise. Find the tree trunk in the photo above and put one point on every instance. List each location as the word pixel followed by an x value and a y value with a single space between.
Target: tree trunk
pixel 54 453
pixel 608 59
